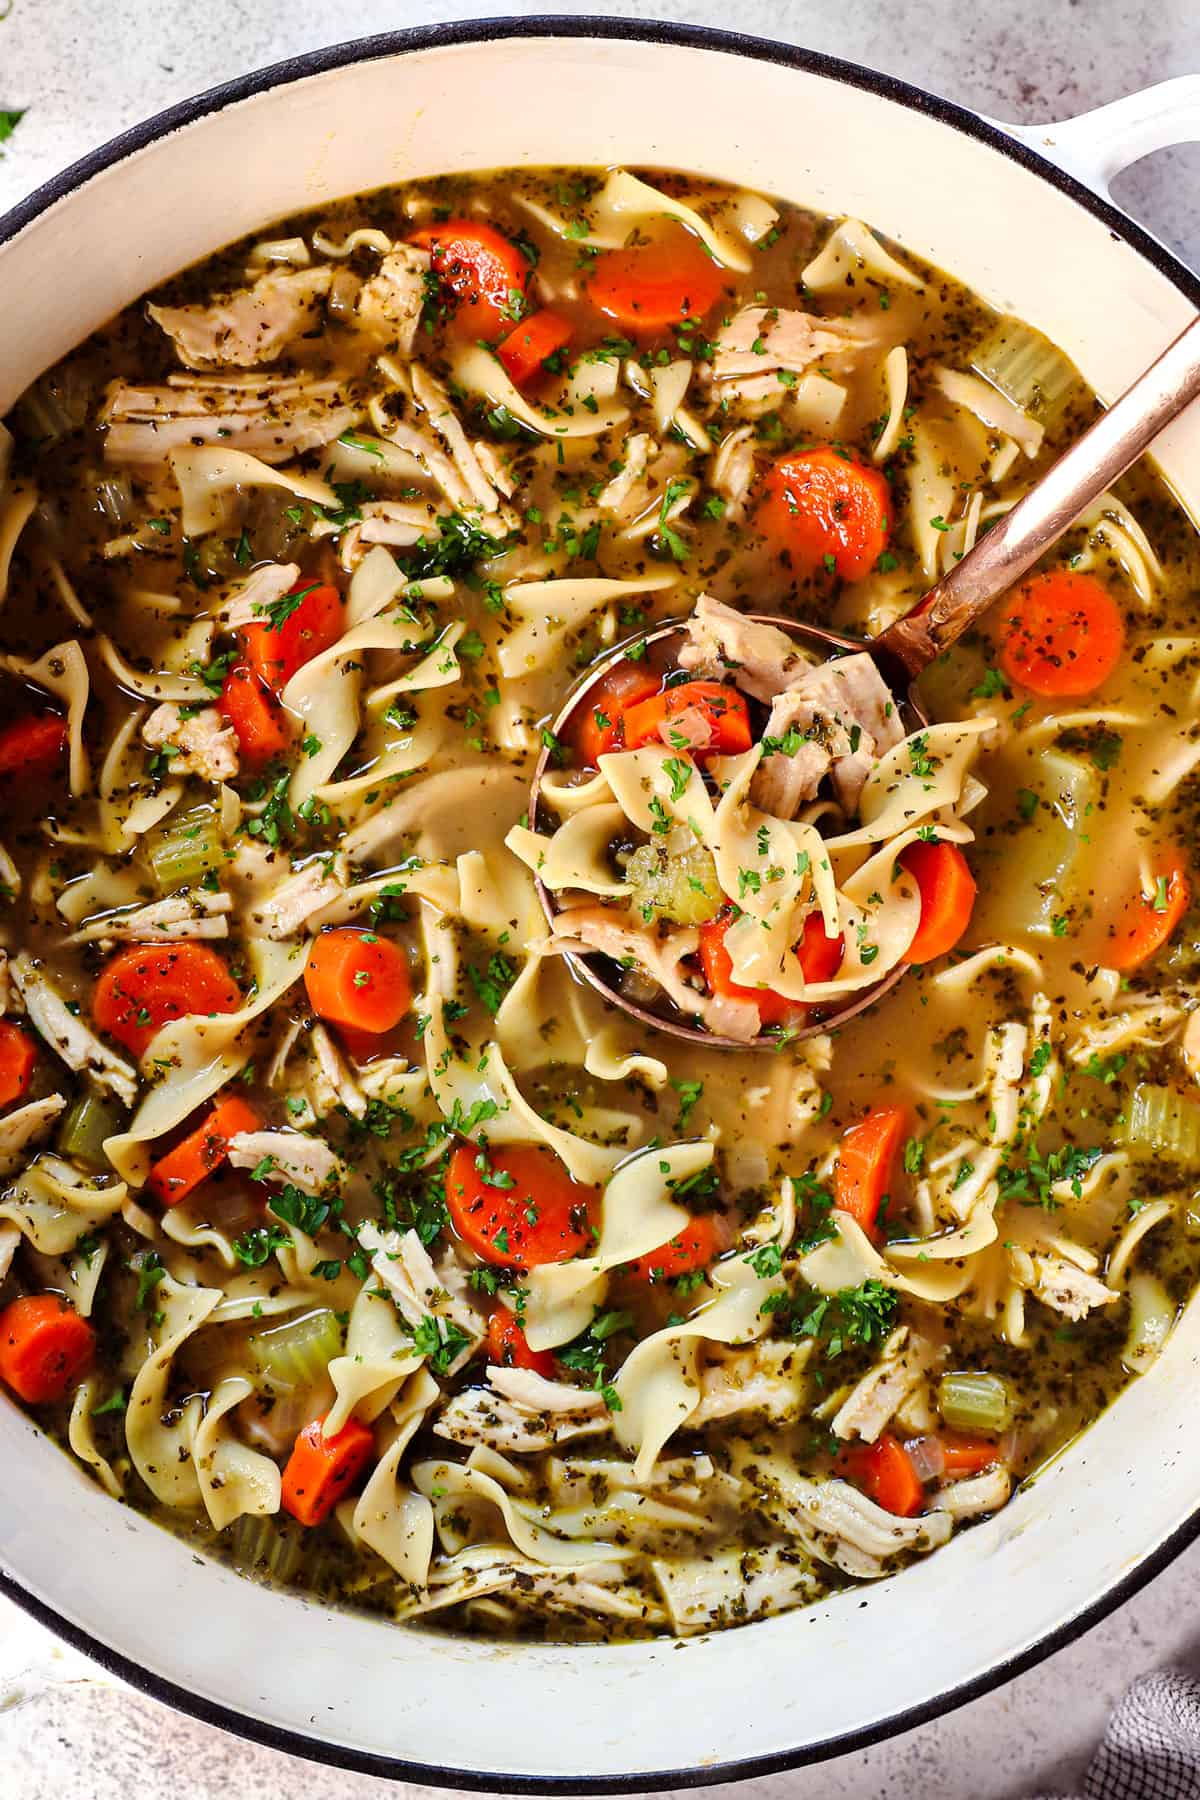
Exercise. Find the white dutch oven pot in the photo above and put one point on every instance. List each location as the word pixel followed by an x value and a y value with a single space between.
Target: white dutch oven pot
pixel 1033 238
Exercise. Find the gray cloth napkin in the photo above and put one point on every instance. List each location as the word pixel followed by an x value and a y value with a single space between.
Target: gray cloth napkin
pixel 1151 1750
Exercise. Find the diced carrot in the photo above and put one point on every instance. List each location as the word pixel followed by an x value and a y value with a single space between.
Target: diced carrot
pixel 18 1054
pixel 723 708
pixel 947 886
pixel 321 1470
pixel 141 988
pixel 32 746
pixel 255 715
pixel 967 1455
pixel 525 350
pixel 657 284
pixel 599 726
pixel 884 1473
pixel 695 1247
pixel 358 980
pixel 517 1207
pixel 865 1164
pixel 1148 920
pixel 819 955
pixel 485 270
pixel 314 623
pixel 508 1347
pixel 44 1347
pixel 828 510
pixel 1062 634
pixel 201 1152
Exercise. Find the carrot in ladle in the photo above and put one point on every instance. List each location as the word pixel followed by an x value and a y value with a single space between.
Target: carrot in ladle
pixel 947 889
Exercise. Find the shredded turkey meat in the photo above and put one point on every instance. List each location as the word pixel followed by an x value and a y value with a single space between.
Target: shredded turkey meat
pixel 250 327
pixel 271 417
pixel 202 744
pixel 760 340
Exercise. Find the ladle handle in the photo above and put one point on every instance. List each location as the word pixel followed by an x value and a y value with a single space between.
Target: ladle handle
pixel 1041 516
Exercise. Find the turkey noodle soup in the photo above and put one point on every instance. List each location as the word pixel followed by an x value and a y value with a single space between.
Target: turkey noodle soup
pixel 343 1228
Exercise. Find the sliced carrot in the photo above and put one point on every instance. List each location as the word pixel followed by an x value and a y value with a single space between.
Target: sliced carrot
pixel 358 980
pixel 33 746
pixel 255 715
pixel 508 1347
pixel 1062 634
pixel 525 350
pixel 657 284
pixel 1148 920
pixel 828 510
pixel 313 624
pixel 723 709
pixel 884 1473
pixel 865 1164
pixel 320 1469
pixel 518 1207
pixel 18 1054
pixel 695 1247
pixel 485 270
pixel 44 1347
pixel 599 726
pixel 947 886
pixel 819 955
pixel 143 987
pixel 967 1455
pixel 201 1152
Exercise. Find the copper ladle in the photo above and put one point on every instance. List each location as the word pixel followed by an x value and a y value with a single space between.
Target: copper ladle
pixel 939 619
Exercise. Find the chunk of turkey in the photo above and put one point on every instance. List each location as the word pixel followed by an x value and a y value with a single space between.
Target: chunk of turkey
pixel 433 398
pixel 846 712
pixel 768 1379
pixel 599 928
pixel 259 592
pixel 196 914
pixel 274 418
pixel 251 326
pixel 23 1127
pixel 874 1401
pixel 624 495
pixel 523 1412
pixel 1069 1290
pixel 304 1162
pixel 976 1495
pixel 390 303
pixel 66 1034
pixel 332 1083
pixel 420 1291
pixel 727 1587
pixel 204 744
pixel 839 1525
pixel 285 910
pixel 723 642
pixel 762 339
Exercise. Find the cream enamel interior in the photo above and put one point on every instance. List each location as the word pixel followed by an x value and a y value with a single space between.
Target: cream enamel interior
pixel 573 1714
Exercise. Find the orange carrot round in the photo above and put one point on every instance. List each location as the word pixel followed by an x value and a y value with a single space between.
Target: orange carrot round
pixel 200 1153
pixel 599 725
pixel 865 1164
pixel 884 1473
pixel 723 708
pixel 695 1247
pixel 32 746
pixel 1147 921
pixel 525 350
pixel 486 272
pixel 315 623
pixel 1062 634
pixel 255 715
pixel 963 1455
pixel 18 1054
pixel 358 980
pixel 44 1347
pixel 320 1469
pixel 653 285
pixel 947 888
pixel 517 1207
pixel 827 510
pixel 141 988
pixel 508 1347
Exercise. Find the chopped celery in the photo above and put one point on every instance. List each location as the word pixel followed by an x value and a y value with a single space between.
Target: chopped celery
pixel 1151 1316
pixel 299 1353
pixel 970 1401
pixel 186 849
pixel 1160 1120
pixel 680 885
pixel 88 1120
pixel 1025 367
pixel 263 1547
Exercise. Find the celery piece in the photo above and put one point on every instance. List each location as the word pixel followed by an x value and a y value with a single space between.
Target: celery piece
pixel 187 849
pixel 1026 368
pixel 88 1120
pixel 971 1401
pixel 299 1353
pixel 261 1547
pixel 679 885
pixel 1164 1122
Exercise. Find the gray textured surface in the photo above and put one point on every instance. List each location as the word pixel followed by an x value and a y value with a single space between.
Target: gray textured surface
pixel 85 72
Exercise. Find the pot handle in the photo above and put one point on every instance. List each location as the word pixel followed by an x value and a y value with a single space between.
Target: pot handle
pixel 1098 145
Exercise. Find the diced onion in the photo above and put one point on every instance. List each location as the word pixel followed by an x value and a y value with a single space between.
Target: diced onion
pixel 926 1456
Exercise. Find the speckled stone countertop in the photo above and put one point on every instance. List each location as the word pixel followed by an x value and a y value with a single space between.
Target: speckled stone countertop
pixel 85 72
